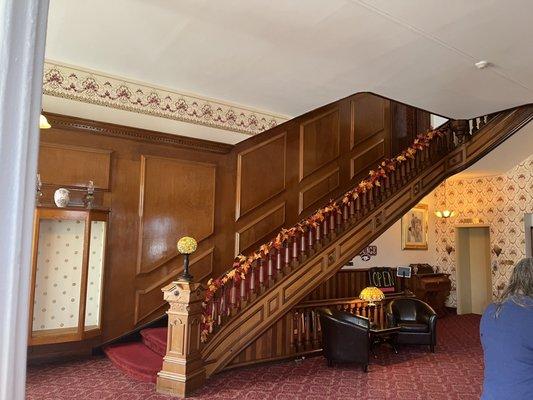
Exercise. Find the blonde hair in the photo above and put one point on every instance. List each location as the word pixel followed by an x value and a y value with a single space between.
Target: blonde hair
pixel 520 287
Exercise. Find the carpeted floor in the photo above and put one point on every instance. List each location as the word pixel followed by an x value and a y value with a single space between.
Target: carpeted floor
pixel 455 371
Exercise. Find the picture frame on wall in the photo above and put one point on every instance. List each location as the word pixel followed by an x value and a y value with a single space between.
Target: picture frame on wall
pixel 415 228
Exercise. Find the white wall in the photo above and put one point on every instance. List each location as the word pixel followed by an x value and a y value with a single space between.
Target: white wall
pixel 390 253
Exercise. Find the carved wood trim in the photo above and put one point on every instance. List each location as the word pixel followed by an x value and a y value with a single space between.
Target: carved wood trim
pixel 256 221
pixel 140 270
pixel 164 280
pixel 353 141
pixel 353 171
pixel 138 134
pixel 84 149
pixel 302 174
pixel 238 211
pixel 301 197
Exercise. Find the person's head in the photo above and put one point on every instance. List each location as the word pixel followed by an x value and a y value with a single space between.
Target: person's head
pixel 520 285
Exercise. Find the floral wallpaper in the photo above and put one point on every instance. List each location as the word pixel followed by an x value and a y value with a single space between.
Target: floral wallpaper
pixel 499 201
pixel 101 89
pixel 59 270
pixel 58 275
pixel 95 272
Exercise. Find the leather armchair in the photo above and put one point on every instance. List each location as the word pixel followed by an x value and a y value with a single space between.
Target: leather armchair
pixel 345 337
pixel 417 320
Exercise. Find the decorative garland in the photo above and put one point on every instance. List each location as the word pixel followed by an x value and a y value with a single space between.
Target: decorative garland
pixel 242 264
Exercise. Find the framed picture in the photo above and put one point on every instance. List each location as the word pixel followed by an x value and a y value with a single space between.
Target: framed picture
pixel 415 228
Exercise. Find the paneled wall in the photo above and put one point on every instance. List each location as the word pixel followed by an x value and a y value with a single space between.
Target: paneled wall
pixel 230 198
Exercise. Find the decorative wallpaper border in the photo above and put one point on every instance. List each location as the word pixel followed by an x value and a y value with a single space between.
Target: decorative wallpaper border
pixel 98 88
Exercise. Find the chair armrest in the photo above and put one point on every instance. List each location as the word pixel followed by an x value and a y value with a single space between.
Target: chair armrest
pixel 426 314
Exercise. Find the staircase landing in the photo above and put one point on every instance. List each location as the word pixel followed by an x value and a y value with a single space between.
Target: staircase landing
pixel 141 360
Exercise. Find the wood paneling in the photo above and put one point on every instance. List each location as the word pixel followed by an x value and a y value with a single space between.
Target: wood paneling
pixel 161 186
pixel 169 190
pixel 371 155
pixel 319 141
pixel 367 118
pixel 318 189
pixel 81 164
pixel 265 161
pixel 259 228
pixel 149 299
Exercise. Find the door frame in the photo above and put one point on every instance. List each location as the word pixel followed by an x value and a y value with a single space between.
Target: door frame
pixel 458 286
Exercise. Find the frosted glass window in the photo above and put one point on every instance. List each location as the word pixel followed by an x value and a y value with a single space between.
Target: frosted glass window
pixel 58 274
pixel 95 273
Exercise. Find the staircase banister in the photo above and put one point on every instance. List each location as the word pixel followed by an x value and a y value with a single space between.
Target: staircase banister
pixel 326 215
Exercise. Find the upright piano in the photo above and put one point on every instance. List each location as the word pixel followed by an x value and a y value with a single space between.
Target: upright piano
pixel 430 286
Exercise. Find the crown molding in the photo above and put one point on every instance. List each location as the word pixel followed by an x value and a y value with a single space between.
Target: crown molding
pixel 92 127
pixel 94 87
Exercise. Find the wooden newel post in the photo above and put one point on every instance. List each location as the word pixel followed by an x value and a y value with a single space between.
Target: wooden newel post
pixel 183 369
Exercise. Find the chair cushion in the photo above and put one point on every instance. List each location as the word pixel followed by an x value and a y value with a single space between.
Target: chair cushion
pixel 413 327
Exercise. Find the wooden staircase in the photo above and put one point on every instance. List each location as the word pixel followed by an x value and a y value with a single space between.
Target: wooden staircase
pixel 283 273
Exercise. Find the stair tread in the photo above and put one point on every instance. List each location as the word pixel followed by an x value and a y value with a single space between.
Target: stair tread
pixel 155 339
pixel 136 359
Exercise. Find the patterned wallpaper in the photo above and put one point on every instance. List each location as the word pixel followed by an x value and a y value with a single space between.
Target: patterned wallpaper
pixel 500 201
pixel 57 282
pixel 95 272
pixel 58 274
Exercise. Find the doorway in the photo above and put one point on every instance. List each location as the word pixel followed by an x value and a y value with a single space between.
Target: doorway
pixel 474 277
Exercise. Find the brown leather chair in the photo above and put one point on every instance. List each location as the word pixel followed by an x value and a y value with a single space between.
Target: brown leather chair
pixel 417 320
pixel 345 337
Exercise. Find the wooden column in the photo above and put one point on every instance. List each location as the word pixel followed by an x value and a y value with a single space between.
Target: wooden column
pixel 183 370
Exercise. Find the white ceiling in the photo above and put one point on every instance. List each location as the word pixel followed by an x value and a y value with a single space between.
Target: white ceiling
pixel 504 157
pixel 289 56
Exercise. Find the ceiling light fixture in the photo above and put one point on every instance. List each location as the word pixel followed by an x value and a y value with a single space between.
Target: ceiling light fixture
pixel 43 122
pixel 482 64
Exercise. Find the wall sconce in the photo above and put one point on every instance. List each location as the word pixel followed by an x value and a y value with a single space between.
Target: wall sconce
pixel 497 250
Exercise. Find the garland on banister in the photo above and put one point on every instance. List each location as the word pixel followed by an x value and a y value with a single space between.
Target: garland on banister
pixel 242 264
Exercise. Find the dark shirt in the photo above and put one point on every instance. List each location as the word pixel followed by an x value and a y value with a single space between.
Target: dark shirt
pixel 508 352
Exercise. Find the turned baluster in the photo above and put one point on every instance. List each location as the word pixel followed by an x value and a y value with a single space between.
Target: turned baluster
pixel 363 203
pixel 299 330
pixel 325 227
pixel 261 273
pixel 233 298
pixel 358 206
pixel 332 223
pixel 270 267
pixel 294 252
pixel 316 322
pixel 307 330
pixel 345 214
pixel 310 241
pixel 303 246
pixel 242 290
pixel 279 264
pixel 221 306
pixel 318 235
pixel 253 277
pixel 287 255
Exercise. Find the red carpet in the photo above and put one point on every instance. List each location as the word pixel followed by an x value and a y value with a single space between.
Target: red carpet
pixel 455 371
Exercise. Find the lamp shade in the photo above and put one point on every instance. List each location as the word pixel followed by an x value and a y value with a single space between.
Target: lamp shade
pixel 187 245
pixel 371 294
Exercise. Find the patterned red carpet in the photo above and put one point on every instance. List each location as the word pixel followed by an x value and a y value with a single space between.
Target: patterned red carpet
pixel 455 371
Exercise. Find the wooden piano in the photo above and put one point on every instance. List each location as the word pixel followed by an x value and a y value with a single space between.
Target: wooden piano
pixel 430 286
